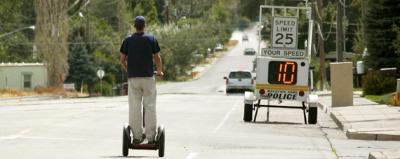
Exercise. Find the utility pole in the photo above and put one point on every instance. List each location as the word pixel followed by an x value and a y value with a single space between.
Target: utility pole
pixel 87 28
pixel 191 9
pixel 321 46
pixel 362 24
pixel 166 11
pixel 339 31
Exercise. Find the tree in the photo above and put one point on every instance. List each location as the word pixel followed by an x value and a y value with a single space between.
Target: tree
pixel 17 46
pixel 82 68
pixel 147 9
pixel 51 38
pixel 381 17
pixel 396 42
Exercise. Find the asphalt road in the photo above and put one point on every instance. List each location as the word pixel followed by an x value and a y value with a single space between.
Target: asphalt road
pixel 202 122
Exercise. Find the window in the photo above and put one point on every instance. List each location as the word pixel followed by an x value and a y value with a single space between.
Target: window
pixel 27 81
pixel 240 74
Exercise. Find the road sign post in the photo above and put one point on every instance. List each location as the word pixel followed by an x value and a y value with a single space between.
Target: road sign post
pixel 100 74
pixel 284 32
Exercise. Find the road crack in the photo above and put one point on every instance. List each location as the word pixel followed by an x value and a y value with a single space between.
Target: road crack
pixel 329 141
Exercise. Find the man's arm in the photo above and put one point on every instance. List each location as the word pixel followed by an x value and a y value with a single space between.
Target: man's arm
pixel 122 60
pixel 157 60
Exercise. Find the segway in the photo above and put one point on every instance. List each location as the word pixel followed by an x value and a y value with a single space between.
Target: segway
pixel 158 145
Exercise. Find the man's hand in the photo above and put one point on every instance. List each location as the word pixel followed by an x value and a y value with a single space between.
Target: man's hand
pixel 157 60
pixel 122 60
pixel 160 73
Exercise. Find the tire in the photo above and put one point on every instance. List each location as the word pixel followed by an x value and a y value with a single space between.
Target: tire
pixel 161 144
pixel 125 141
pixel 312 115
pixel 227 91
pixel 248 112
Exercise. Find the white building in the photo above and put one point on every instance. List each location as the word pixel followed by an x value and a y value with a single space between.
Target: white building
pixel 23 76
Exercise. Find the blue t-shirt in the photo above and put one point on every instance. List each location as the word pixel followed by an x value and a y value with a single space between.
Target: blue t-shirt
pixel 140 48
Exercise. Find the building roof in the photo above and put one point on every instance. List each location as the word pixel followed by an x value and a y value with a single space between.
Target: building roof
pixel 20 64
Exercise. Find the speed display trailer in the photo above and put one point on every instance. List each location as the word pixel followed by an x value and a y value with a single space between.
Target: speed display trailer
pixel 283 71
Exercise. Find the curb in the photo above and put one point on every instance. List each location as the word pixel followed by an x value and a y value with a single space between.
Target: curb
pixel 386 131
pixel 335 118
pixel 384 155
pixel 360 135
pixel 365 122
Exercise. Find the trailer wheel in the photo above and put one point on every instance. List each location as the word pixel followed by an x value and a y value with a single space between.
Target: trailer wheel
pixel 312 115
pixel 248 112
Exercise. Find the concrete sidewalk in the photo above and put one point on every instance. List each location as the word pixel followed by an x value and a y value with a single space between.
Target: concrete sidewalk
pixel 366 120
pixel 384 155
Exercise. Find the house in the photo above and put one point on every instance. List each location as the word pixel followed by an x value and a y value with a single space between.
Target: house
pixel 23 76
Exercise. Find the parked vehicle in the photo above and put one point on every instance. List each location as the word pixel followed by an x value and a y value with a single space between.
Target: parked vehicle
pixel 219 47
pixel 249 51
pixel 239 81
pixel 245 37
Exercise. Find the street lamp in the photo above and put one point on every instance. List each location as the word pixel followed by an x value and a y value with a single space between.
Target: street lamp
pixel 20 29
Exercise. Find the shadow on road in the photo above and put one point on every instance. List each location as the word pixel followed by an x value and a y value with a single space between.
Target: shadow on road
pixel 276 123
pixel 129 157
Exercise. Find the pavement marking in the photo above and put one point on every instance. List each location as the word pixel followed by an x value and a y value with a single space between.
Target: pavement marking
pixel 14 136
pixel 226 117
pixel 191 155
pixel 53 138
pixel 24 131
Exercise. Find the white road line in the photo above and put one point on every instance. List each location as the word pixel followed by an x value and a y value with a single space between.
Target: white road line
pixel 14 136
pixel 53 138
pixel 191 155
pixel 226 117
pixel 24 131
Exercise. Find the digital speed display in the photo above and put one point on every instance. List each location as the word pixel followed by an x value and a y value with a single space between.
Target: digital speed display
pixel 282 72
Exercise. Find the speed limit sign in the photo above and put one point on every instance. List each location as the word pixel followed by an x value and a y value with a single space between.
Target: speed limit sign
pixel 284 32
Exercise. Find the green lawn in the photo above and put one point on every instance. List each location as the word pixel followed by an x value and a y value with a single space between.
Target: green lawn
pixel 382 99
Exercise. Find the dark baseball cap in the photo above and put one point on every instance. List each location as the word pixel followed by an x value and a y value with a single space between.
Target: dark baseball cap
pixel 140 21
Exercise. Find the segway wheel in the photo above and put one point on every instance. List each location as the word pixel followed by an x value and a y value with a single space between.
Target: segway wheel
pixel 248 112
pixel 161 143
pixel 312 115
pixel 125 141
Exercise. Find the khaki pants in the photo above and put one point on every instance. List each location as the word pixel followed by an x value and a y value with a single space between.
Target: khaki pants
pixel 142 90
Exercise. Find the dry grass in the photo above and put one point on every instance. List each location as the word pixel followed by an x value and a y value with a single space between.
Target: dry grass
pixel 395 99
pixel 231 43
pixel 11 93
pixel 75 94
pixel 41 91
pixel 48 90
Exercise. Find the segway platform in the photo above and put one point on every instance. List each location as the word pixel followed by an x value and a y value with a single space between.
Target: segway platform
pixel 127 142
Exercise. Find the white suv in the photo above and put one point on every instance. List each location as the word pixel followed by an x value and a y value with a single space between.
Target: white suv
pixel 239 80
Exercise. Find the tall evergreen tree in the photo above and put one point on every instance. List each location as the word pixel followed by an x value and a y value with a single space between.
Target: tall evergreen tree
pixel 381 18
pixel 147 9
pixel 82 68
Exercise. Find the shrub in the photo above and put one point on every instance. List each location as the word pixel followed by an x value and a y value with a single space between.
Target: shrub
pixel 376 83
pixel 244 23
pixel 395 99
pixel 105 91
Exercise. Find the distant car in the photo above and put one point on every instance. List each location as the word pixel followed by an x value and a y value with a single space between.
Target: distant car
pixel 239 80
pixel 254 65
pixel 219 47
pixel 249 51
pixel 245 38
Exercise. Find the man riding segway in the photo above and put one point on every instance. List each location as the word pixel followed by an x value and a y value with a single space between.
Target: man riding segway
pixel 137 54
